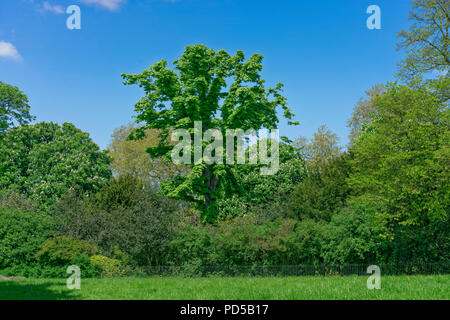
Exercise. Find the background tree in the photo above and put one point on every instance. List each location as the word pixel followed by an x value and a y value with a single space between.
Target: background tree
pixel 194 91
pixel 43 161
pixel 322 147
pixel 14 107
pixel 364 111
pixel 130 157
pixel 427 40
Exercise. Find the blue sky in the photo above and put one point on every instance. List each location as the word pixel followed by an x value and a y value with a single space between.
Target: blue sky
pixel 320 49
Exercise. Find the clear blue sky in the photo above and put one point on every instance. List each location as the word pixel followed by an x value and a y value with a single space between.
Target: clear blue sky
pixel 320 49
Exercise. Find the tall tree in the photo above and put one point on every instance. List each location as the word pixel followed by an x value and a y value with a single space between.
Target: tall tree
pixel 427 40
pixel 222 91
pixel 14 107
pixel 401 159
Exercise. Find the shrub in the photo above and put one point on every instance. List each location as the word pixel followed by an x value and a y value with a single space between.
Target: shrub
pixel 119 193
pixel 57 253
pixel 109 267
pixel 353 236
pixel 21 234
pixel 142 231
pixel 240 242
pixel 62 250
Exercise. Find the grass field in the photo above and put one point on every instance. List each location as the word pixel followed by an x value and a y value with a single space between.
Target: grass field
pixel 291 288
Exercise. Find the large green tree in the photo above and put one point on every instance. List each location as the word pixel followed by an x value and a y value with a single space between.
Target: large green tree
pixel 427 41
pixel 401 158
pixel 222 91
pixel 43 161
pixel 14 107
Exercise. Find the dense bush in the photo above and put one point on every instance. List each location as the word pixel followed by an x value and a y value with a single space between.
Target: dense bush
pixel 63 250
pixel 353 236
pixel 58 253
pixel 242 242
pixel 142 230
pixel 109 267
pixel 323 191
pixel 16 201
pixel 21 234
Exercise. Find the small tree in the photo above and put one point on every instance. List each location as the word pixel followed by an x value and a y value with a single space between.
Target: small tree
pixel 221 91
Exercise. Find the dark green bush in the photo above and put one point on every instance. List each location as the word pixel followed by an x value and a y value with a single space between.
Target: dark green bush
pixel 58 253
pixel 353 237
pixel 142 230
pixel 323 192
pixel 241 242
pixel 21 234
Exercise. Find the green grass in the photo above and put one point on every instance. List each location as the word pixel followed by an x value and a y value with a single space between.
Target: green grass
pixel 168 288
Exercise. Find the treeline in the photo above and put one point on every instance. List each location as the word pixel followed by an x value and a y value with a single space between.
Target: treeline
pixel 383 200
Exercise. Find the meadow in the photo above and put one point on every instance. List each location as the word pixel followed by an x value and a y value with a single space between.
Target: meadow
pixel 436 287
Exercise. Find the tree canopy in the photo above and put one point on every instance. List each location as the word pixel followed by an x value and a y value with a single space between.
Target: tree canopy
pixel 44 160
pixel 427 40
pixel 14 107
pixel 221 91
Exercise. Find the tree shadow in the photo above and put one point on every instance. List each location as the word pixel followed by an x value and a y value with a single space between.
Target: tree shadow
pixel 36 290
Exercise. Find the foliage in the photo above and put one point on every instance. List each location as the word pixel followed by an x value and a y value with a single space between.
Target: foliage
pixel 120 192
pixel 14 107
pixel 62 250
pixel 352 236
pixel 194 92
pixel 401 159
pixel 417 245
pixel 15 201
pixel 21 234
pixel 56 254
pixel 130 157
pixel 322 192
pixel 255 191
pixel 322 148
pixel 109 267
pixel 43 161
pixel 241 242
pixel 141 230
pixel 364 111
pixel 427 40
